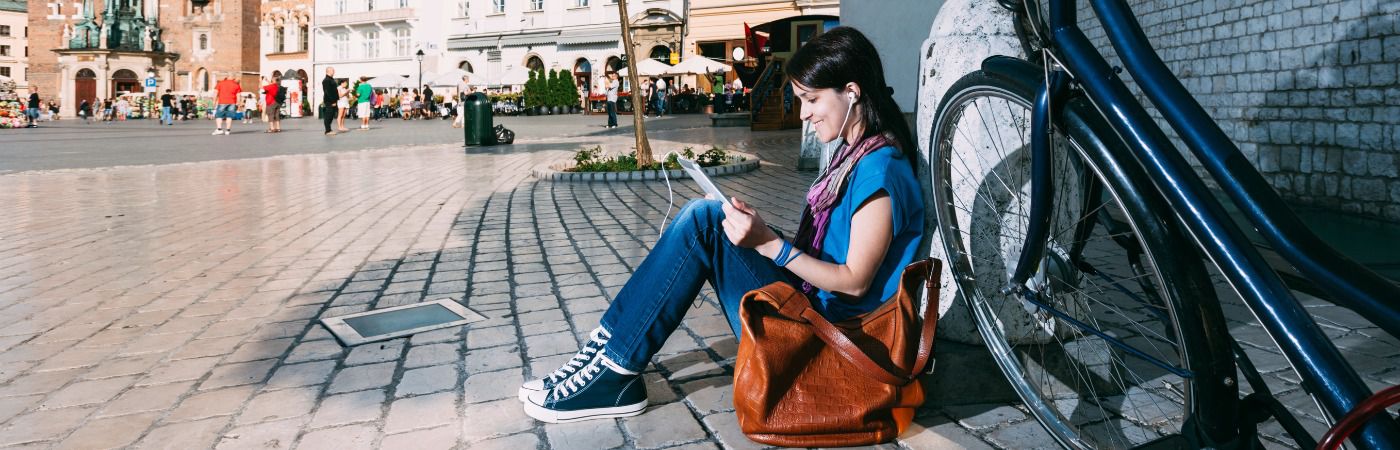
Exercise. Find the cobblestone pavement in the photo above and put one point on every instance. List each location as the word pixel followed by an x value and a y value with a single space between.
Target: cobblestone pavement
pixel 173 306
pixel 72 144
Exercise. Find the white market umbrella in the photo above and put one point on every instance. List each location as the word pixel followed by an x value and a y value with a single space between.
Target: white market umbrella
pixel 451 78
pixel 698 65
pixel 648 68
pixel 387 80
pixel 515 76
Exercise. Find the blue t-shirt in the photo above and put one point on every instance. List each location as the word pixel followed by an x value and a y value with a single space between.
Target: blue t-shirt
pixel 886 170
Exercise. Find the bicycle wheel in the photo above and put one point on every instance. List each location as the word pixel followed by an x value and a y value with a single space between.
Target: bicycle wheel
pixel 1106 353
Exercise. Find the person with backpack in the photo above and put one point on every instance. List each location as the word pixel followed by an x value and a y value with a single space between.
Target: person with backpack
pixel 275 96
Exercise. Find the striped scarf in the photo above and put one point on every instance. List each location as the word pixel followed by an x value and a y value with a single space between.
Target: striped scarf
pixel 825 193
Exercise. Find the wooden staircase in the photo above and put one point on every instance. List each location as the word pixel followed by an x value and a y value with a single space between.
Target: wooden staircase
pixel 770 115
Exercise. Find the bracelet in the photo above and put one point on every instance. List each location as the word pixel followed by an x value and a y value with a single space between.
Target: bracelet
pixel 791 258
pixel 782 254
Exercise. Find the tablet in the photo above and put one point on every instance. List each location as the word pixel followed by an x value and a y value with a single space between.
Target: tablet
pixel 698 174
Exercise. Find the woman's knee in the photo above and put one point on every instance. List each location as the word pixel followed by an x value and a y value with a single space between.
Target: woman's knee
pixel 702 213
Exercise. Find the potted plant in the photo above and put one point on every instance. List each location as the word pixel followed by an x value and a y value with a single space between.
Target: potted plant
pixel 530 94
pixel 551 100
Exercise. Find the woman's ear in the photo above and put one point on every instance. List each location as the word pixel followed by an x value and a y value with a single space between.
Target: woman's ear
pixel 853 89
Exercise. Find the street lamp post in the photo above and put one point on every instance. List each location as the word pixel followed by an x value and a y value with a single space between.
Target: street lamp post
pixel 420 69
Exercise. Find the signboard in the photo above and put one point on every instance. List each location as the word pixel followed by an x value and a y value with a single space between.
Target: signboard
pixel 151 82
pixel 675 58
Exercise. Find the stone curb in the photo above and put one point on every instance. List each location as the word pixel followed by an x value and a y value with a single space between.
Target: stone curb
pixel 553 174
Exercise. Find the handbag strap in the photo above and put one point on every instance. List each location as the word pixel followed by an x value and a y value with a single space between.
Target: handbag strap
pixel 848 349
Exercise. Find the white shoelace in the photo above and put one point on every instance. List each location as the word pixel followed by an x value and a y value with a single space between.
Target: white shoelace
pixel 578 380
pixel 579 360
pixel 596 340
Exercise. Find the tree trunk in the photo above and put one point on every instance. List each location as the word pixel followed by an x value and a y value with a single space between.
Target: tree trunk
pixel 644 157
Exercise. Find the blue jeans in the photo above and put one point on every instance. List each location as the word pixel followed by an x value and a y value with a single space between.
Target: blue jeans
pixel 612 114
pixel 165 118
pixel 692 251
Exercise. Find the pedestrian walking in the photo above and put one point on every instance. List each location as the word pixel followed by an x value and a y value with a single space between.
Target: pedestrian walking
pixel 274 97
pixel 342 105
pixel 85 111
pixel 417 104
pixel 464 89
pixel 250 105
pixel 379 106
pixel 429 104
pixel 31 110
pixel 610 84
pixel 167 101
pixel 405 104
pixel 660 96
pixel 122 109
pixel 330 93
pixel 226 100
pixel 53 110
pixel 364 95
pixel 107 109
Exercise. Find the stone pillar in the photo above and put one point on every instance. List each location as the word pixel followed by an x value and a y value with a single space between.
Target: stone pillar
pixel 66 92
pixel 964 33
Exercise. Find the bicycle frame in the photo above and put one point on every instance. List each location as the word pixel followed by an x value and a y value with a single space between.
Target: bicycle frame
pixel 1319 364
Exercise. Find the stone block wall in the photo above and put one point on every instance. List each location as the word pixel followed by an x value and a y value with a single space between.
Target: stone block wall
pixel 1307 88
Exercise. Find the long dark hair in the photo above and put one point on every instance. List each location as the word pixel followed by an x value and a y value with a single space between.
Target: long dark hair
pixel 844 55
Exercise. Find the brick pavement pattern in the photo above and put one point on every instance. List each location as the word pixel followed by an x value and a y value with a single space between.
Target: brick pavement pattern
pixel 175 306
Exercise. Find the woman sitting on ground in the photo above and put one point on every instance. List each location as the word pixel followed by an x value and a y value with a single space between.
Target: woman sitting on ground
pixel 869 185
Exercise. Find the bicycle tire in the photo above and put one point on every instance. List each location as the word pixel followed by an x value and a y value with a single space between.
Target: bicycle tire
pixel 1187 311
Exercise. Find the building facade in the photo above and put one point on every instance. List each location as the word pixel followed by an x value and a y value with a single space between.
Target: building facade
pixel 95 49
pixel 286 48
pixel 14 42
pixel 716 27
pixel 499 40
pixel 378 39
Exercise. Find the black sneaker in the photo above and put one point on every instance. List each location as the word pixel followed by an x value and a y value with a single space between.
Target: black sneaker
pixel 597 391
pixel 596 340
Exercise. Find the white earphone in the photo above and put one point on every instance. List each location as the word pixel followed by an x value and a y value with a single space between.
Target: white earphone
pixel 851 101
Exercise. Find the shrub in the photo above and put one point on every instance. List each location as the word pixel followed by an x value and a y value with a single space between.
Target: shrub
pixel 593 160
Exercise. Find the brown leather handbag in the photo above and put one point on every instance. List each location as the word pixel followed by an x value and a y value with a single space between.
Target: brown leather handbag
pixel 802 381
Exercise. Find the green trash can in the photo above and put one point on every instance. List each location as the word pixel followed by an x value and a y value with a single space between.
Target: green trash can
pixel 478 123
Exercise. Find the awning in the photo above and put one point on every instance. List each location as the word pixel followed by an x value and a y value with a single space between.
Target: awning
pixel 530 39
pixel 583 37
pixel 473 43
pixel 511 40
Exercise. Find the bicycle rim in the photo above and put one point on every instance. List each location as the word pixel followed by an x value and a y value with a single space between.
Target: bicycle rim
pixel 1087 391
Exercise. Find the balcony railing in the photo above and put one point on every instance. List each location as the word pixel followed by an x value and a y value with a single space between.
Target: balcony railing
pixel 382 15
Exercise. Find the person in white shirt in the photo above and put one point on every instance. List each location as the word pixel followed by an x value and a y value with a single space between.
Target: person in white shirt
pixel 610 84
pixel 463 90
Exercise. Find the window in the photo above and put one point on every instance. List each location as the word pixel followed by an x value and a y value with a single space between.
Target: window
pixel 403 41
pixel 580 3
pixel 303 38
pixel 4 30
pixel 55 9
pixel 536 5
pixel 463 8
pixel 498 6
pixel 4 50
pixel 4 71
pixel 371 44
pixel 203 42
pixel 279 38
pixel 342 45
pixel 369 5
pixel 403 3
pixel 341 7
